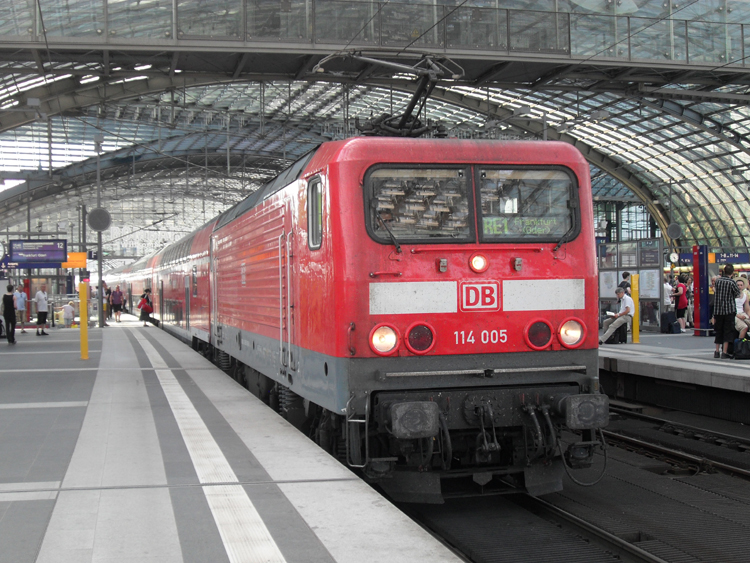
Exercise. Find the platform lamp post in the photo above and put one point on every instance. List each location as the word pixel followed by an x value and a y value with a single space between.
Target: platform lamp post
pixel 674 231
pixel 99 220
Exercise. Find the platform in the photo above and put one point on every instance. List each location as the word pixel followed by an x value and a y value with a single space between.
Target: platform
pixel 147 452
pixel 682 358
pixel 677 372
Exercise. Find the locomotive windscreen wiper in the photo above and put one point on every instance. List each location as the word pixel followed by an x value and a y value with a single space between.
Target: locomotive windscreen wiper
pixel 564 239
pixel 393 238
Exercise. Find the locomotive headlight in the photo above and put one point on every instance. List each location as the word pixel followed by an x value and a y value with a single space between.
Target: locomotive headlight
pixel 479 263
pixel 572 333
pixel 384 340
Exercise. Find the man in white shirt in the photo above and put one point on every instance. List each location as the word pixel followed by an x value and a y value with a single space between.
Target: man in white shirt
pixel 41 310
pixel 623 316
pixel 20 301
pixel 668 290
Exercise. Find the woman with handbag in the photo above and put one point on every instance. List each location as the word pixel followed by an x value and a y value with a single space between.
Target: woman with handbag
pixel 145 306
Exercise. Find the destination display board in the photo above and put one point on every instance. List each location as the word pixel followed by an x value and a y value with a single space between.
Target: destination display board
pixel 50 252
pixel 732 257
pixel 649 254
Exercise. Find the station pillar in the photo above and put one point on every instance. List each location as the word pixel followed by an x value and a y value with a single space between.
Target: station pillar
pixel 701 282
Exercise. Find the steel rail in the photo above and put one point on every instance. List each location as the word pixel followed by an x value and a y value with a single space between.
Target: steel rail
pixel 704 431
pixel 700 461
pixel 614 542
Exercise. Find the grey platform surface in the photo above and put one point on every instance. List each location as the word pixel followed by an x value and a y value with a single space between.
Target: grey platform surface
pixel 683 358
pixel 147 452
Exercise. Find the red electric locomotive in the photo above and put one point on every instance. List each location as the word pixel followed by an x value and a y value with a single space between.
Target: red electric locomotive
pixel 425 309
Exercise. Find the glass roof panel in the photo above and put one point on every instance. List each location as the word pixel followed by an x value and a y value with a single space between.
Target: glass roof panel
pixel 694 144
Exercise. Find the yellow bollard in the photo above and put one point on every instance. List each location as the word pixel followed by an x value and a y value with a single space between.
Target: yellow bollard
pixel 83 313
pixel 634 290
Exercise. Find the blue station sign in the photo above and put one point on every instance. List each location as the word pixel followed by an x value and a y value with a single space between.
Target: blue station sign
pixel 48 253
pixel 733 257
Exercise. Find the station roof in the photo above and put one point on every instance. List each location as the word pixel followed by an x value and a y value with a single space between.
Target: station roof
pixel 183 126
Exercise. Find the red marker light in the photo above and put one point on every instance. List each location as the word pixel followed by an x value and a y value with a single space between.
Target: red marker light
pixel 420 338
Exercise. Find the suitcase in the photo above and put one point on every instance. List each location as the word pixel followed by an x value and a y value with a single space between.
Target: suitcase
pixel 733 343
pixel 675 328
pixel 741 349
pixel 620 336
pixel 667 320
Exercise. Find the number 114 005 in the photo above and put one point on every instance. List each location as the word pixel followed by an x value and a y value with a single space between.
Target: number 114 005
pixel 465 337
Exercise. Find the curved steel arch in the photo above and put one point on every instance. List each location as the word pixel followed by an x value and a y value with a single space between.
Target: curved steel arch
pixel 41 189
pixel 593 156
pixel 68 95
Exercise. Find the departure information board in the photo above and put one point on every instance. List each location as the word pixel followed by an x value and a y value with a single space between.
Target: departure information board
pixel 50 251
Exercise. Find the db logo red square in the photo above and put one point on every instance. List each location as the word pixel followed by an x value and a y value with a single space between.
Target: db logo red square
pixel 484 296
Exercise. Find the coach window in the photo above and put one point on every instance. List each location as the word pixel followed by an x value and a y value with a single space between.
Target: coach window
pixel 314 214
pixel 527 204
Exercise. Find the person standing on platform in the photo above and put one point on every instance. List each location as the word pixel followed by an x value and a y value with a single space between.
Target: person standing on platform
pixel 20 302
pixel 623 316
pixel 146 307
pixel 68 314
pixel 711 295
pixel 681 300
pixel 116 303
pixel 725 310
pixel 108 300
pixel 625 283
pixel 689 285
pixel 667 295
pixel 41 310
pixel 9 315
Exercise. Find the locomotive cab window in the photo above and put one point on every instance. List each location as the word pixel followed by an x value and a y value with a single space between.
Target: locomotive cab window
pixel 526 205
pixel 419 205
pixel 315 214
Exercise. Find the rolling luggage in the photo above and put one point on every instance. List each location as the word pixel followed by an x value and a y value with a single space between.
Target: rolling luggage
pixel 667 322
pixel 620 336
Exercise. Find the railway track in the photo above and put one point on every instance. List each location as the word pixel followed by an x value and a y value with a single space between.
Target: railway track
pixel 625 550
pixel 581 525
pixel 519 528
pixel 714 448
pixel 690 431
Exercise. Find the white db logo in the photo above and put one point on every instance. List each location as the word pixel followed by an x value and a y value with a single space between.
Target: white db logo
pixel 480 296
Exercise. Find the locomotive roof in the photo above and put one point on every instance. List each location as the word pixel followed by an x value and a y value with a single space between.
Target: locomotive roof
pixel 451 149
pixel 284 179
